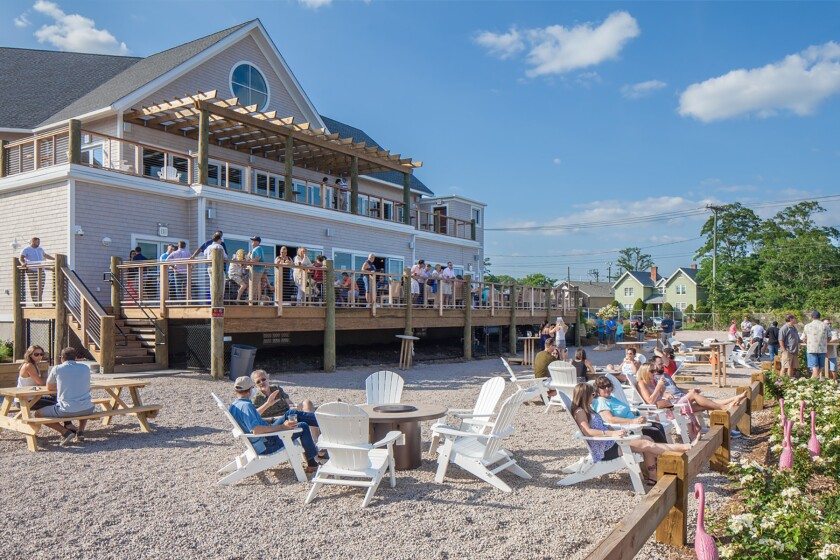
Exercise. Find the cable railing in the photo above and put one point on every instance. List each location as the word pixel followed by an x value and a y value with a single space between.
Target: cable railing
pixel 37 282
pixel 35 152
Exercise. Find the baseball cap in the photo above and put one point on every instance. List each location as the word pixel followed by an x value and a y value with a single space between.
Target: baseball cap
pixel 256 238
pixel 243 383
pixel 815 315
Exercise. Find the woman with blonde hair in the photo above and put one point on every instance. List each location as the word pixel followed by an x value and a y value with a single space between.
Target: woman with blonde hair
pixel 301 275
pixel 29 375
pixel 592 425
pixel 237 272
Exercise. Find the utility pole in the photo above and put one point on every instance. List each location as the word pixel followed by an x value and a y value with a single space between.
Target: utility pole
pixel 714 209
pixel 609 272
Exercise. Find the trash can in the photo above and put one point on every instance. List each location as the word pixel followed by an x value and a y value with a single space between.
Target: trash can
pixel 241 360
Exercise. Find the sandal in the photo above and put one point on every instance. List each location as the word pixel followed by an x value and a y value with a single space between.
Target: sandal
pixel 322 457
pixel 650 481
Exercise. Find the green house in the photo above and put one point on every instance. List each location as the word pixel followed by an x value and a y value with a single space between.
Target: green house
pixel 682 289
pixel 635 284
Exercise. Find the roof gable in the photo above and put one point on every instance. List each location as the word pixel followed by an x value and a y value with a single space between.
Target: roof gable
pixel 641 277
pixel 690 273
pixel 24 103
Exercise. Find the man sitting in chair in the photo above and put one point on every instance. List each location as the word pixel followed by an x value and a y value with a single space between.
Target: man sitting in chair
pixel 545 357
pixel 273 402
pixel 246 415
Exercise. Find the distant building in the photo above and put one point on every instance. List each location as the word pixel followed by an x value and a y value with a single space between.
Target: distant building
pixel 592 294
pixel 680 289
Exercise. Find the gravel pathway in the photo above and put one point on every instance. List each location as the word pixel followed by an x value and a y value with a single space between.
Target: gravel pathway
pixel 125 494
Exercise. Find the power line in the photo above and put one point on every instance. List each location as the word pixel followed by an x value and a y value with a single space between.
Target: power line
pixel 588 253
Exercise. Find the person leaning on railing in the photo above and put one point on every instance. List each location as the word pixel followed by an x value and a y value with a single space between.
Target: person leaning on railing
pixel 31 256
pixel 180 270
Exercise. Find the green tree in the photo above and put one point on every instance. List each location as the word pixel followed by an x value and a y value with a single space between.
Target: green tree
pixel 538 279
pixel 667 307
pixel 639 305
pixel 632 258
pixel 650 308
pixel 689 309
pixel 487 264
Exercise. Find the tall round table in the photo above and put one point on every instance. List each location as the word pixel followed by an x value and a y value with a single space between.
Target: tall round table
pixel 528 349
pixel 408 456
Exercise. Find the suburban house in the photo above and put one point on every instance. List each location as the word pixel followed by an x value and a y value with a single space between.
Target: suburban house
pixel 102 154
pixel 592 294
pixel 679 289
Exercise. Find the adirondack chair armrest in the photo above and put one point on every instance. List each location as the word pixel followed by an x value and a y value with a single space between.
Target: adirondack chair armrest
pixel 346 446
pixel 628 427
pixel 391 437
pixel 609 438
pixel 465 416
pixel 453 411
pixel 482 423
pixel 445 430
pixel 284 434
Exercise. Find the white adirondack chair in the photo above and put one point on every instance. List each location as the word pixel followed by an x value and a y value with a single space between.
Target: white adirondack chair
pixel 679 423
pixel 169 173
pixel 482 454
pixel 480 418
pixel 563 380
pixel 586 469
pixel 250 463
pixel 384 387
pixel 527 381
pixel 744 358
pixel 353 461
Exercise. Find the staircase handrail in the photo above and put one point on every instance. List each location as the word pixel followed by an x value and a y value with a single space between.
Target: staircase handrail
pixel 150 315
pixel 92 303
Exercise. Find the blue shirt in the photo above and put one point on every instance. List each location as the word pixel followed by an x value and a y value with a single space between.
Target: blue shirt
pixel 246 415
pixel 73 386
pixel 667 325
pixel 670 386
pixel 610 325
pixel 257 256
pixel 600 324
pixel 615 406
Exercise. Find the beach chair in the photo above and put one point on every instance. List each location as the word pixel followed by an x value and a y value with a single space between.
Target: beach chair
pixel 384 387
pixel 250 462
pixel 526 381
pixel 353 461
pixel 586 468
pixel 679 422
pixel 482 454
pixel 480 418
pixel 563 380
pixel 744 358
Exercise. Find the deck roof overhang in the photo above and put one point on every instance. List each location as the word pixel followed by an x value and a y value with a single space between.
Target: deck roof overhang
pixel 263 134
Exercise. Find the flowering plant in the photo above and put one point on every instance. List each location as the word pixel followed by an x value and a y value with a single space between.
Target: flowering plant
pixel 608 311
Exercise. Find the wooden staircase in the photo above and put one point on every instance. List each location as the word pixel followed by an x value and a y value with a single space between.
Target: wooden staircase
pixel 134 346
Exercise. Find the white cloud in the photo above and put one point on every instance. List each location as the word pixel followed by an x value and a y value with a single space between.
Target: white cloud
pixel 74 32
pixel 641 89
pixel 587 79
pixel 798 84
pixel 503 45
pixel 315 4
pixel 557 49
pixel 738 188
pixel 22 21
pixel 557 161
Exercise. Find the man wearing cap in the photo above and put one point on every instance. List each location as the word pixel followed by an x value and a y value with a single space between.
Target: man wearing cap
pixel 246 415
pixel 815 335
pixel 256 255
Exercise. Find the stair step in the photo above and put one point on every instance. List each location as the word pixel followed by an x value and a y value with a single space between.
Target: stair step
pixel 123 352
pixel 147 359
pixel 138 323
pixel 131 368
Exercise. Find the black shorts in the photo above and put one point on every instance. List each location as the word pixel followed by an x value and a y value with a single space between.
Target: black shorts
pixel 611 453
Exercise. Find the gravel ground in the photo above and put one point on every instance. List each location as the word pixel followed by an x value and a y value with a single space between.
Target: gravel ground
pixel 125 494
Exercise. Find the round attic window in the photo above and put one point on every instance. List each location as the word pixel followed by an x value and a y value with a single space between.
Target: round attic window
pixel 249 85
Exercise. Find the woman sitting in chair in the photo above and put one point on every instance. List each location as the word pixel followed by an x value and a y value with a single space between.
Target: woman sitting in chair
pixel 592 425
pixel 582 365
pixel 614 411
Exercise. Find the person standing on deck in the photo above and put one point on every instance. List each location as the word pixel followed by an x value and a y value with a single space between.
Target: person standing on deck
pixel 257 255
pixel 209 242
pixel 418 274
pixel 772 340
pixel 34 255
pixel 369 269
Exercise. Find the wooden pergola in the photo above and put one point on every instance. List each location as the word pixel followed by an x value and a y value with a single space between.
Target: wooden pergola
pixel 227 124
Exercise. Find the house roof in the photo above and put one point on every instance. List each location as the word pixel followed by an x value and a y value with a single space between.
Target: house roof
pixel 655 299
pixel 595 289
pixel 641 276
pixel 139 74
pixel 24 103
pixel 359 135
pixel 690 273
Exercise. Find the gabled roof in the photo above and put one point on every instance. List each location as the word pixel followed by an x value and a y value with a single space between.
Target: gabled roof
pixel 594 289
pixel 138 75
pixel 655 298
pixel 690 273
pixel 641 276
pixel 359 135
pixel 35 84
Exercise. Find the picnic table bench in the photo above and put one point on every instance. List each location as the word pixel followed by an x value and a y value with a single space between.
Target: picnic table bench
pixel 23 421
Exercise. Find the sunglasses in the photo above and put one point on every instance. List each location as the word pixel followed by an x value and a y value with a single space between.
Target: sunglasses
pixel 37 353
pixel 261 380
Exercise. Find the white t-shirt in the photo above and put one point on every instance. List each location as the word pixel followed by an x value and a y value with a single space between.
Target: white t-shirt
pixel 208 252
pixel 757 331
pixel 73 384
pixel 32 255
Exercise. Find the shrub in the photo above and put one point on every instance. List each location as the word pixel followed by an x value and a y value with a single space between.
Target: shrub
pixel 689 309
pixel 639 305
pixel 650 308
pixel 6 350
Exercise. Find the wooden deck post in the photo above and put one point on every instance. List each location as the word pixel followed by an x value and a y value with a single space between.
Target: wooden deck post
pixel 757 404
pixel 217 324
pixel 116 305
pixel 513 296
pixel 203 147
pixel 744 424
pixel 107 345
pixel 407 199
pixel 673 530
pixel 161 348
pixel 3 157
pixel 548 304
pixel 74 142
pixel 289 160
pixel 60 307
pixel 720 460
pixel 17 311
pixel 409 304
pixel 468 330
pixel 163 274
pixel 329 316
pixel 354 185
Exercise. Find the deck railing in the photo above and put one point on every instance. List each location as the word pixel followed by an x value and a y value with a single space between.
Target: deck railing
pixel 103 151
pixel 38 284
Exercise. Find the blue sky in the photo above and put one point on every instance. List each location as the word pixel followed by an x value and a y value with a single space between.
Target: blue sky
pixel 552 113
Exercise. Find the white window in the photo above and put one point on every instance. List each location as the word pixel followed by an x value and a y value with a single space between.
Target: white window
pixel 268 184
pixel 388 210
pixel 249 85
pixel 681 289
pixel 476 215
pixel 628 292
pixel 313 194
pixel 681 306
pixel 92 152
pixel 224 175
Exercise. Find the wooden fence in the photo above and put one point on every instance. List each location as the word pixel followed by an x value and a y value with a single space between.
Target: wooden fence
pixel 664 510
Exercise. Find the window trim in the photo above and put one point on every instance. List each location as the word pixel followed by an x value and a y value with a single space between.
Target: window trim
pixel 480 219
pixel 263 74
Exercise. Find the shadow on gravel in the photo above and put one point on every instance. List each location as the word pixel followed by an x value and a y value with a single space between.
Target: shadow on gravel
pixel 126 437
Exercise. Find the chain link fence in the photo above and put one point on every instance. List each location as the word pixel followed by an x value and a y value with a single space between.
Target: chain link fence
pixel 42 333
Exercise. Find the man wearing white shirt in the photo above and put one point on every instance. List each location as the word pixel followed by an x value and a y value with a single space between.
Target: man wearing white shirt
pixel 33 255
pixel 418 276
pixel 448 284
pixel 216 245
pixel 180 272
pixel 757 336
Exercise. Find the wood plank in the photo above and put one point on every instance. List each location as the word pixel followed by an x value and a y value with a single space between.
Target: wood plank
pixel 97 414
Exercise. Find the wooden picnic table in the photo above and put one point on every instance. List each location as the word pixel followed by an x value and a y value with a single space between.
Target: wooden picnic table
pixel 25 422
pixel 635 344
